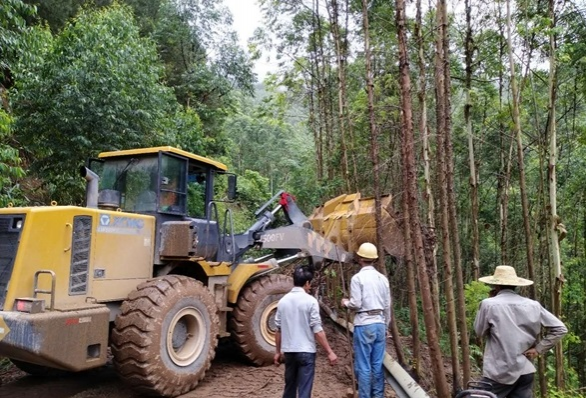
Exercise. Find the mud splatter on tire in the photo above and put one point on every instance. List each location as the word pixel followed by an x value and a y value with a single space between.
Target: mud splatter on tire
pixel 252 322
pixel 165 337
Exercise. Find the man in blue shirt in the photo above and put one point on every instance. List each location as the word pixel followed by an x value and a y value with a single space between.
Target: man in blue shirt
pixel 298 327
pixel 370 297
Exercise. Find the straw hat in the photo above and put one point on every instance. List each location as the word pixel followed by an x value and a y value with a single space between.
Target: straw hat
pixel 505 275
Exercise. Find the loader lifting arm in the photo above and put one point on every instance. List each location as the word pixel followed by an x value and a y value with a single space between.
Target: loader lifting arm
pixel 298 236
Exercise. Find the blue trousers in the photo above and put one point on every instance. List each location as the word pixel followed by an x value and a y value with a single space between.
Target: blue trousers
pixel 299 373
pixel 369 353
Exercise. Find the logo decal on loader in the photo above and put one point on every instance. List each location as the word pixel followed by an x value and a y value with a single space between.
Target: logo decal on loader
pixel 120 225
pixel 104 220
pixel 4 329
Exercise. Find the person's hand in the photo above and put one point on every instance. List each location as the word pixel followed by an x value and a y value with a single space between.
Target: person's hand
pixel 531 354
pixel 344 302
pixel 333 358
pixel 278 359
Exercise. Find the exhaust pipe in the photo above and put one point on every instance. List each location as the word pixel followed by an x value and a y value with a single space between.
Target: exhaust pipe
pixel 91 191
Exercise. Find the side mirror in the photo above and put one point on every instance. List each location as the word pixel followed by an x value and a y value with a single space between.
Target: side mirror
pixel 232 189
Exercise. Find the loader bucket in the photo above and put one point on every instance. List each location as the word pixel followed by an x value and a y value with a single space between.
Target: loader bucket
pixel 349 221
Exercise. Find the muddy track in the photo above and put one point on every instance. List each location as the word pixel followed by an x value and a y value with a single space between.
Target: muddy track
pixel 229 376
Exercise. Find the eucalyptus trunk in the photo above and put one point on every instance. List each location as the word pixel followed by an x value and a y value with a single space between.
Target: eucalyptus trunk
pixel 469 53
pixel 373 133
pixel 443 182
pixel 554 224
pixel 410 192
pixel 520 157
pixel 503 178
pixel 324 99
pixel 451 203
pixel 341 54
pixel 428 193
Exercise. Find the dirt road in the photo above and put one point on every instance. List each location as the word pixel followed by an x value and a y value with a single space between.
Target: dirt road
pixel 229 376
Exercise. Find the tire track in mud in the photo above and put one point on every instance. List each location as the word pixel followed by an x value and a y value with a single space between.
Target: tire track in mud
pixel 66 386
pixel 230 376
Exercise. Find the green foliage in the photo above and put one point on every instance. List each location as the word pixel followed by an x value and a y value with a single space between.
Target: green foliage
pixel 474 293
pixel 553 392
pixel 5 364
pixel 267 139
pixel 96 87
pixel 189 132
pixel 203 62
pixel 10 166
pixel 12 26
pixel 253 190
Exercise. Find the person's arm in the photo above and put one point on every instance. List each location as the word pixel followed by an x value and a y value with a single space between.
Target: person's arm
pixel 317 329
pixel 323 341
pixel 355 301
pixel 387 308
pixel 555 330
pixel 278 354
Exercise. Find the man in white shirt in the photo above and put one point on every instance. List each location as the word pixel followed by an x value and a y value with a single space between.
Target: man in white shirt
pixel 511 325
pixel 298 327
pixel 370 297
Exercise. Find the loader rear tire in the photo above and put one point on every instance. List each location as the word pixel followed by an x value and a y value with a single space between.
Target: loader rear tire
pixel 253 320
pixel 165 337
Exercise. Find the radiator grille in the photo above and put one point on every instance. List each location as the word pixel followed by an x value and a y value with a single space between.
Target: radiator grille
pixel 10 228
pixel 80 255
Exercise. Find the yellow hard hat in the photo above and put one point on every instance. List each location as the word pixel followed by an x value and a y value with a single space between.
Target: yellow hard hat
pixel 367 250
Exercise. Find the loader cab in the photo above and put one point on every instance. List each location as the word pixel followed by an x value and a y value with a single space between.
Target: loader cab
pixel 163 181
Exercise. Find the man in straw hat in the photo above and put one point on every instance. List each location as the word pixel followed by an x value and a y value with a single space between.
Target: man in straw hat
pixel 511 325
pixel 370 297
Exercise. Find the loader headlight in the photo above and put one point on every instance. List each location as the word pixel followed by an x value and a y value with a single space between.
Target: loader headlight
pixel 17 223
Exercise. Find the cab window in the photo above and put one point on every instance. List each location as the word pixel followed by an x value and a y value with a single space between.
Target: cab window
pixel 173 190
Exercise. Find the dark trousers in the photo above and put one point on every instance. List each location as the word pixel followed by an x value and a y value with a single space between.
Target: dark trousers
pixel 299 373
pixel 522 388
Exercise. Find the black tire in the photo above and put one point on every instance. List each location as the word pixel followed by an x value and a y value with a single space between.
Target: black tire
pixel 165 337
pixel 253 320
pixel 38 370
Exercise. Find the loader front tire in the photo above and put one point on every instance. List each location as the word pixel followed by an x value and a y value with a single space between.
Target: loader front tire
pixel 165 337
pixel 253 320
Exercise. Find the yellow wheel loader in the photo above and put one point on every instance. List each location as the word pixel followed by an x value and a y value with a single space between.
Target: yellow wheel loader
pixel 148 270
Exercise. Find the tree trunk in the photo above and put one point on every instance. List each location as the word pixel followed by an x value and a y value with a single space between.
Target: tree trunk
pixel 452 211
pixel 428 194
pixel 410 191
pixel 341 54
pixel 373 133
pixel 554 224
pixel 520 157
pixel 324 100
pixel 314 120
pixel 411 285
pixel 443 181
pixel 469 53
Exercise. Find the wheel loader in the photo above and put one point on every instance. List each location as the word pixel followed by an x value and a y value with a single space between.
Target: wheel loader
pixel 150 271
